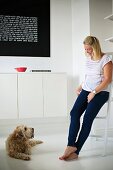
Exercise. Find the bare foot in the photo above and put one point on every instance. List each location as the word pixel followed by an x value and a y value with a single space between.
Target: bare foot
pixel 71 157
pixel 69 150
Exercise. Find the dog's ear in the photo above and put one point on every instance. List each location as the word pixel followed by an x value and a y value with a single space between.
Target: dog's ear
pixel 17 127
pixel 19 134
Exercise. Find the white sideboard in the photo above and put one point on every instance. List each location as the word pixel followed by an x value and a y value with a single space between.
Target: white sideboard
pixel 8 96
pixel 30 95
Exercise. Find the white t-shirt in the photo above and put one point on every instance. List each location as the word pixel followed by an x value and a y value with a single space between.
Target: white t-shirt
pixel 94 73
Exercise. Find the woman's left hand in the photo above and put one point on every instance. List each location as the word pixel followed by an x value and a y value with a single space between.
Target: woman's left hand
pixel 90 96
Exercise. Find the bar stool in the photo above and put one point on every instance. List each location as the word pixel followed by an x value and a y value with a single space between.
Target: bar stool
pixel 106 118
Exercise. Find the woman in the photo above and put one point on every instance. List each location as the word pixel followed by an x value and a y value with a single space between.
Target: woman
pixel 92 95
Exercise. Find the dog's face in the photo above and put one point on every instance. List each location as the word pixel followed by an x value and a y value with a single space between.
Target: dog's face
pixel 24 132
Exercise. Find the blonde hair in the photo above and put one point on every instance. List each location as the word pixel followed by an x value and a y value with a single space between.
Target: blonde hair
pixel 94 43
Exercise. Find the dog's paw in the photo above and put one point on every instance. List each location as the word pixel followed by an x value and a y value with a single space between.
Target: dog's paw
pixel 28 152
pixel 27 158
pixel 39 141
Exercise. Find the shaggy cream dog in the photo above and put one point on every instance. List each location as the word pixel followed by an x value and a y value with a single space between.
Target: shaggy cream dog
pixel 19 143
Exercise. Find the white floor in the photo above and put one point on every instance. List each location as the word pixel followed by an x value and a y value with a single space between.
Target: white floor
pixel 45 156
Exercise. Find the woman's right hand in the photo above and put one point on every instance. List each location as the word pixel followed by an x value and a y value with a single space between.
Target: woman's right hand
pixel 78 90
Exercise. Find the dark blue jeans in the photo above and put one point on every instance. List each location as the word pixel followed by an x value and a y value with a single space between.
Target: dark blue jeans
pixel 77 136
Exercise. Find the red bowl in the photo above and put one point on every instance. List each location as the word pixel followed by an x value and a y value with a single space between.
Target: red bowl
pixel 21 69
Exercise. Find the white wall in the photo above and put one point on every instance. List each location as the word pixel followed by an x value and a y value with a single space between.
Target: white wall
pixel 61 44
pixel 61 41
pixel 80 29
pixel 100 27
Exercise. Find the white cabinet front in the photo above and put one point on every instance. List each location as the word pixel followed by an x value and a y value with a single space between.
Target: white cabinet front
pixel 8 96
pixel 55 95
pixel 33 95
pixel 30 95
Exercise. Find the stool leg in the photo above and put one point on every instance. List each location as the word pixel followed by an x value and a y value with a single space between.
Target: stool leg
pixel 106 129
